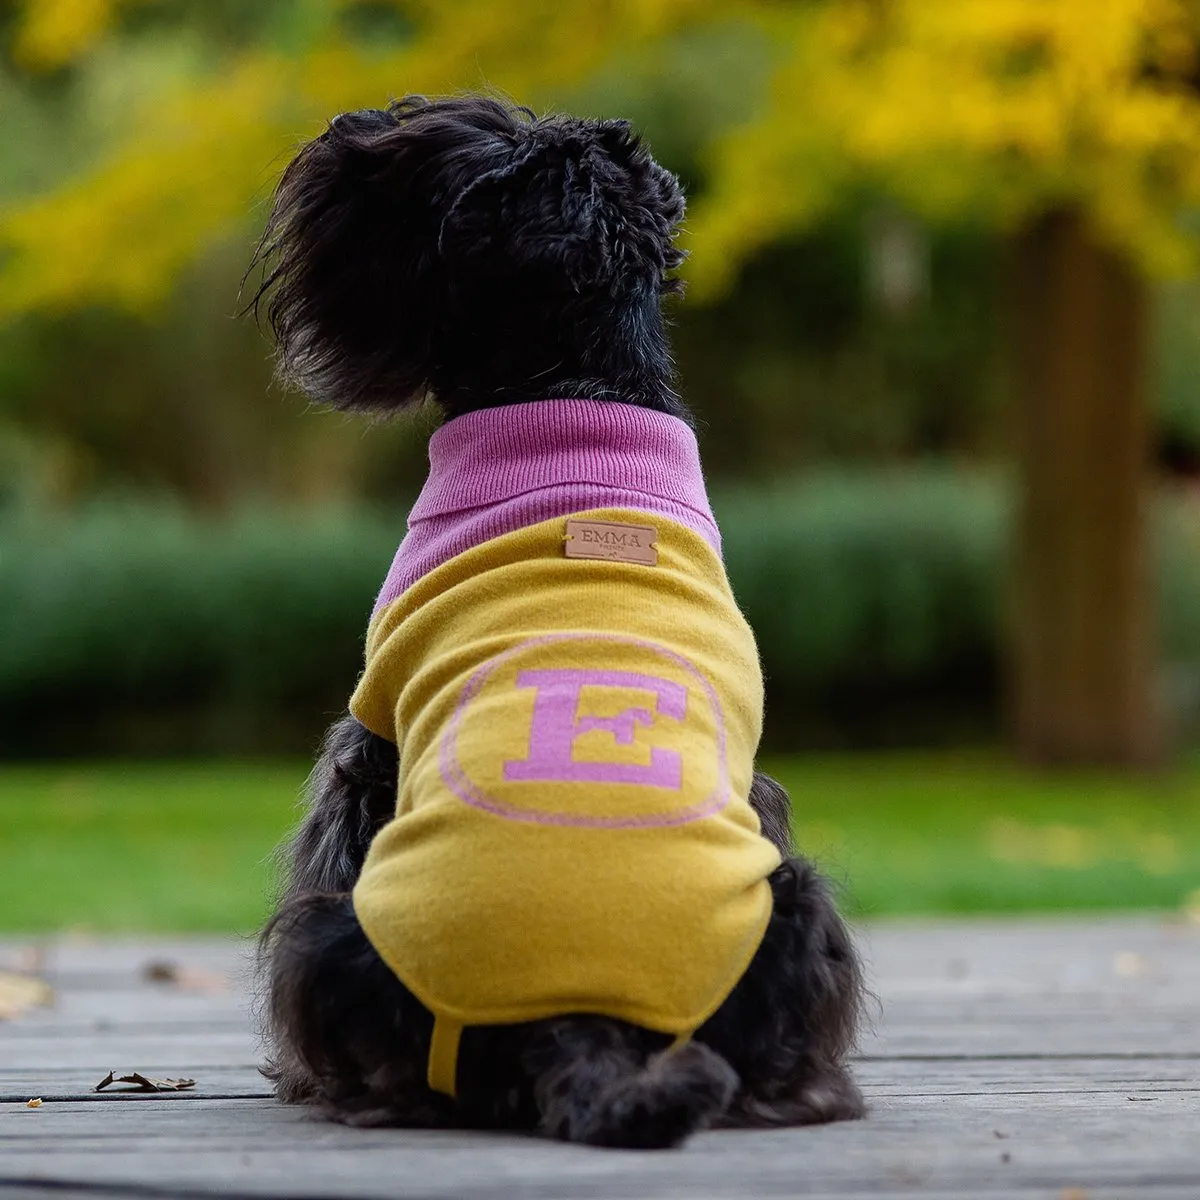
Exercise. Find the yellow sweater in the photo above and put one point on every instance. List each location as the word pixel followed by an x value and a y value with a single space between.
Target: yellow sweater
pixel 576 743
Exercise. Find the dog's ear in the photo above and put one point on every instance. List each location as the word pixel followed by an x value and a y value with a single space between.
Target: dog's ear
pixel 580 200
pixel 350 257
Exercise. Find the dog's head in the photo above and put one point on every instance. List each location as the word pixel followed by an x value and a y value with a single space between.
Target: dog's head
pixel 468 250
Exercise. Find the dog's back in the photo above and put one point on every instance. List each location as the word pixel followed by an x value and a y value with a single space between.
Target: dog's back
pixel 576 745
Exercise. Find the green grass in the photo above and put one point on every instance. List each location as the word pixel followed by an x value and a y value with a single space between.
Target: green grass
pixel 142 846
pixel 185 847
pixel 964 833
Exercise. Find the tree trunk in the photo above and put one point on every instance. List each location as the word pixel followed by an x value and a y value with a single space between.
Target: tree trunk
pixel 1083 657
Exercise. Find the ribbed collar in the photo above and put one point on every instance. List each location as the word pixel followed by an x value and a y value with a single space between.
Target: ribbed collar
pixel 495 454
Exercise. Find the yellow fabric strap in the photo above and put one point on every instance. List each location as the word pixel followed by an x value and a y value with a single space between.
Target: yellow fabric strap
pixel 443 1056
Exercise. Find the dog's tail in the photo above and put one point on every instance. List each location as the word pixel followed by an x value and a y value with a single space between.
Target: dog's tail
pixel 594 1083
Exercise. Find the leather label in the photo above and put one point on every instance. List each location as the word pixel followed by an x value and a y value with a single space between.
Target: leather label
pixel 612 541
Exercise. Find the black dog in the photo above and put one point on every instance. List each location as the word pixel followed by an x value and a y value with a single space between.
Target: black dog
pixel 467 251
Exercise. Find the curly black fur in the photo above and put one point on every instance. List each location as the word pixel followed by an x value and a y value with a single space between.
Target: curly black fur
pixel 350 794
pixel 469 251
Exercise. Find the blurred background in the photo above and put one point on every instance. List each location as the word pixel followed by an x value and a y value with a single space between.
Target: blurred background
pixel 942 333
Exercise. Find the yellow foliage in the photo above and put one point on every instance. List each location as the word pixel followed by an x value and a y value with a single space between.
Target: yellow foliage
pixel 994 108
pixel 122 233
pixel 997 108
pixel 52 33
pixel 201 156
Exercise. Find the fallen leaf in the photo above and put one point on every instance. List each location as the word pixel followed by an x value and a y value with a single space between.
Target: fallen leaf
pixel 1128 964
pixel 187 979
pixel 37 1103
pixel 20 993
pixel 145 1083
pixel 908 1174
pixel 31 960
pixel 1073 1193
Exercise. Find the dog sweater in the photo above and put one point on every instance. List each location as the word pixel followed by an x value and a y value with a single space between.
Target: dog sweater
pixel 576 701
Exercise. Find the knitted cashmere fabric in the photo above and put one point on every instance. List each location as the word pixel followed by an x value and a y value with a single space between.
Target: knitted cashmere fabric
pixel 576 736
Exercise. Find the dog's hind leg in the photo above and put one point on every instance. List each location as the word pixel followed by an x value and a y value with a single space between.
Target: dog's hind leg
pixel 350 794
pixel 348 1036
pixel 790 1023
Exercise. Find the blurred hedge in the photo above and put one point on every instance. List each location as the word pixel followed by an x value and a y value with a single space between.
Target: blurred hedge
pixel 144 629
pixel 876 597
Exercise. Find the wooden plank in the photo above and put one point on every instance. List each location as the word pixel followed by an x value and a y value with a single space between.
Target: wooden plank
pixel 181 1053
pixel 125 958
pixel 972 1034
pixel 1024 1076
pixel 1038 955
pixel 919 1145
pixel 883 1077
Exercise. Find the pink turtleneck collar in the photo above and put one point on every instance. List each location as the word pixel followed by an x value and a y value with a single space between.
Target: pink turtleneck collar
pixel 497 470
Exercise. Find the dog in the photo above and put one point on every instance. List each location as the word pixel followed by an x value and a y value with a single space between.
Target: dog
pixel 513 270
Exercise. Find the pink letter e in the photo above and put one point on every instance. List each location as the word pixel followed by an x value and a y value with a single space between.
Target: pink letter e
pixel 555 728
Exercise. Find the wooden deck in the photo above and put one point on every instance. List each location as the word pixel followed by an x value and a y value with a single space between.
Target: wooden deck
pixel 1056 1059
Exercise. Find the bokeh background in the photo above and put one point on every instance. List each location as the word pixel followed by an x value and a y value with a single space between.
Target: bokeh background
pixel 942 332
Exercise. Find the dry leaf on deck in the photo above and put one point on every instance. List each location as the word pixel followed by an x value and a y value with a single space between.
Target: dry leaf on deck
pixel 187 979
pixel 19 993
pixel 1128 964
pixel 34 1103
pixel 31 960
pixel 145 1083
